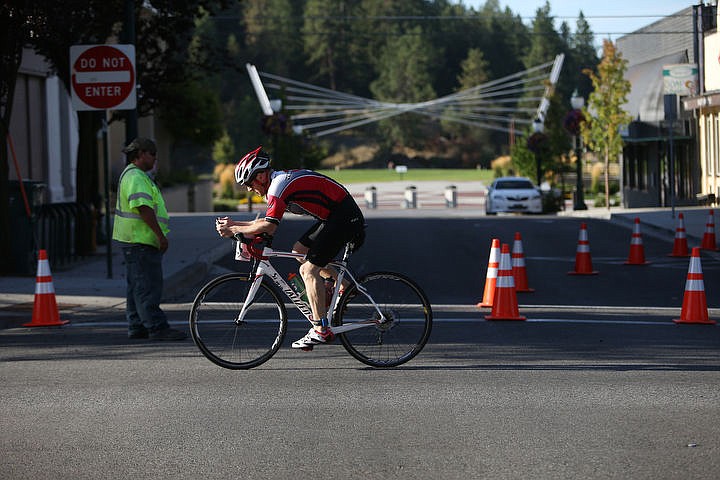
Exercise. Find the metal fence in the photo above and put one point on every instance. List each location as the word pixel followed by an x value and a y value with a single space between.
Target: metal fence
pixel 66 231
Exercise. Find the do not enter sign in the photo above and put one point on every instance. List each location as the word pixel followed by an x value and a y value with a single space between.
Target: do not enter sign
pixel 103 77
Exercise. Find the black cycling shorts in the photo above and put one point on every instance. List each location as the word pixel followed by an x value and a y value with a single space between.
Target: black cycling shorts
pixel 325 239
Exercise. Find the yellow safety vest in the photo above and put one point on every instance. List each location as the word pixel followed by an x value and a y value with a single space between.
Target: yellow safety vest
pixel 136 189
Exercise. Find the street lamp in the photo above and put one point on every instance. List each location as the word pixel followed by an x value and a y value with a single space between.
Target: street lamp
pixel 538 129
pixel 572 124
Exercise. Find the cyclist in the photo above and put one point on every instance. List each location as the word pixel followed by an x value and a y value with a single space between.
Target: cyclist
pixel 302 192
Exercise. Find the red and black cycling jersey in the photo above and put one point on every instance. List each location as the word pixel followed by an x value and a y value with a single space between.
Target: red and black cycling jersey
pixel 302 192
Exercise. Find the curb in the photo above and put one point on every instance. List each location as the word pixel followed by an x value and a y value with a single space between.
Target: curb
pixel 188 276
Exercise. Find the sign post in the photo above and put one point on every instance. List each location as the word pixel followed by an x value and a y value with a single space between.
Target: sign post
pixel 103 78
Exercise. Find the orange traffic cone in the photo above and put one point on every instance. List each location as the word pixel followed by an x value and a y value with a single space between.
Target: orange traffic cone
pixel 694 307
pixel 637 250
pixel 680 247
pixel 708 241
pixel 505 306
pixel 491 276
pixel 583 260
pixel 45 310
pixel 518 266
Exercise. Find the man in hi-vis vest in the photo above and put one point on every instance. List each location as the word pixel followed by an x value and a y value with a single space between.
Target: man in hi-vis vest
pixel 141 226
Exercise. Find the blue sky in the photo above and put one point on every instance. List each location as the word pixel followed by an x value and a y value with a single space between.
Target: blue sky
pixel 621 16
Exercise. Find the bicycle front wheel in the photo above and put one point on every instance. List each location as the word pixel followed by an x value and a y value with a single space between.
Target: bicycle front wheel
pixel 407 325
pixel 230 341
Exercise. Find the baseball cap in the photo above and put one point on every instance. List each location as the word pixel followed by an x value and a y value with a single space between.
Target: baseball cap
pixel 140 144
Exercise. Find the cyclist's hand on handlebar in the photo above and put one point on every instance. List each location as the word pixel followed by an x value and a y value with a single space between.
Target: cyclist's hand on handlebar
pixel 222 225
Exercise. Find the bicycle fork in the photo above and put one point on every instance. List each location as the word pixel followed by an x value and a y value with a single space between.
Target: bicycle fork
pixel 249 298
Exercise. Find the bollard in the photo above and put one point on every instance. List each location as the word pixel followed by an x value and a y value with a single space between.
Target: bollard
pixel 371 197
pixel 191 197
pixel 410 197
pixel 451 196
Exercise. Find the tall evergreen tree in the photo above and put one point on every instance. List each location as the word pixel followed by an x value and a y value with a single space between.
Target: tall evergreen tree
pixel 503 37
pixel 327 38
pixel 585 54
pixel 474 141
pixel 407 65
pixel 273 35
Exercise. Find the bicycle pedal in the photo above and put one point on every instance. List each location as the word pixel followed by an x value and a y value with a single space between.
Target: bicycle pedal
pixel 307 349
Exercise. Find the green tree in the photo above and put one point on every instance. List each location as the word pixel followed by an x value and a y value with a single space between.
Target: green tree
pixel 224 150
pixel 474 141
pixel 545 44
pixel 50 28
pixel 192 113
pixel 406 77
pixel 604 114
pixel 327 37
pixel 273 36
pixel 585 55
pixel 378 22
pixel 503 37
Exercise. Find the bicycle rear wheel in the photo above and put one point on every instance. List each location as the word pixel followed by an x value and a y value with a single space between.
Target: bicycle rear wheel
pixel 227 341
pixel 402 336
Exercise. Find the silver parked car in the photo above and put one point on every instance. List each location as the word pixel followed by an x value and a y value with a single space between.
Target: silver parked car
pixel 513 194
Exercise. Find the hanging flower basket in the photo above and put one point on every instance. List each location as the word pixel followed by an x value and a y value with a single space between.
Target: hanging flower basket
pixel 536 142
pixel 275 124
pixel 572 121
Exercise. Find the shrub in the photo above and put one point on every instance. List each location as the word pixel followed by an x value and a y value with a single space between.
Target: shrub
pixel 502 166
pixel 596 174
pixel 552 201
pixel 227 182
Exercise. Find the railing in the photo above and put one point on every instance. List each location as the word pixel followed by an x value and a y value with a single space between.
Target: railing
pixel 66 231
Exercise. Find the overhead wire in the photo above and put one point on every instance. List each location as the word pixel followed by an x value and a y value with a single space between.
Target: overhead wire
pixel 496 105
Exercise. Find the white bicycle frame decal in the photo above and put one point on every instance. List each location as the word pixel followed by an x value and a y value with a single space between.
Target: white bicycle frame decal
pixel 265 269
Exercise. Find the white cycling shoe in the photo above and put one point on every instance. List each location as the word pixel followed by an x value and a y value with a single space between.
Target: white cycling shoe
pixel 312 338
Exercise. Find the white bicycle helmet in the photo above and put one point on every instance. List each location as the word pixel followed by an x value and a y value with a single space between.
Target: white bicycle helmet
pixel 250 164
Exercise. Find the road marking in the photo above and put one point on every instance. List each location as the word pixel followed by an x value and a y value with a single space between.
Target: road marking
pixel 442 320
pixel 556 320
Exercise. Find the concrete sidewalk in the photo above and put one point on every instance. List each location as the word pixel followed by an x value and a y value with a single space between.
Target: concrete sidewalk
pixel 85 287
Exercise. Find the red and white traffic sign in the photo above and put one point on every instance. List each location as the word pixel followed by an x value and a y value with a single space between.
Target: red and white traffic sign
pixel 103 77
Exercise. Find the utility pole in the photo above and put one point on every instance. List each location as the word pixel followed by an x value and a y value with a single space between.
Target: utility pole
pixel 128 37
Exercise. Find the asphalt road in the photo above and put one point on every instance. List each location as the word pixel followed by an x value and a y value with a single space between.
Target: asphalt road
pixel 449 258
pixel 598 383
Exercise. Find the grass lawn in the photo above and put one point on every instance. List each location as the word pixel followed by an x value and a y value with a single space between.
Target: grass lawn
pixel 412 175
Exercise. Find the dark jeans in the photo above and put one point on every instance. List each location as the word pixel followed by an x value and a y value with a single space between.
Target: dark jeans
pixel 144 289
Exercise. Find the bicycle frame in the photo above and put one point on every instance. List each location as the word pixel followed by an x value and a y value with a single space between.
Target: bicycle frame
pixel 263 268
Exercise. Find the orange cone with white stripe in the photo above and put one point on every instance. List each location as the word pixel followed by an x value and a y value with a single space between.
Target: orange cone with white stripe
pixel 45 310
pixel 583 260
pixel 637 250
pixel 491 276
pixel 518 266
pixel 694 307
pixel 708 241
pixel 680 247
pixel 505 306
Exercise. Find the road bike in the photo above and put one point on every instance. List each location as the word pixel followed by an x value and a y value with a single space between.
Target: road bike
pixel 239 320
